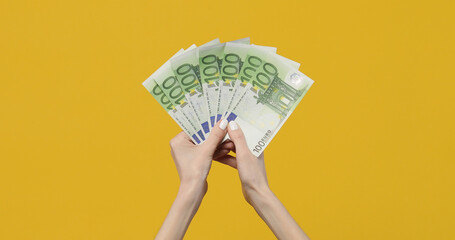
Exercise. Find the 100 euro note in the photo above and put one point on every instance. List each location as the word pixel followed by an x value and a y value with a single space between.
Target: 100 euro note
pixel 234 56
pixel 275 88
pixel 171 109
pixel 210 61
pixel 178 117
pixel 168 83
pixel 186 70
pixel 248 71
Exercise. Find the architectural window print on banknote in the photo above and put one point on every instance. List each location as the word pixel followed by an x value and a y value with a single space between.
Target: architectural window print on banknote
pixel 273 88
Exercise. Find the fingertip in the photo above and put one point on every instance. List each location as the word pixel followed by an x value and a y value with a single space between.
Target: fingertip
pixel 220 128
pixel 217 134
pixel 233 126
pixel 237 136
pixel 223 123
pixel 234 131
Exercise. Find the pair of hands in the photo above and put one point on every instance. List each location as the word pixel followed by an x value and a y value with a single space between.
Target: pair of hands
pixel 193 165
pixel 193 162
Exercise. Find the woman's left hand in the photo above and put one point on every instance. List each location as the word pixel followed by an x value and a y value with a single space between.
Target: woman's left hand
pixel 193 162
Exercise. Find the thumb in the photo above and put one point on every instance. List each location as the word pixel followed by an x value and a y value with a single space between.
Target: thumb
pixel 216 135
pixel 237 136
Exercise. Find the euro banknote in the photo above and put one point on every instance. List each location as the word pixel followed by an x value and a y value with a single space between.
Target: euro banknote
pixel 274 88
pixel 168 82
pixel 173 110
pixel 234 56
pixel 210 60
pixel 238 81
pixel 187 73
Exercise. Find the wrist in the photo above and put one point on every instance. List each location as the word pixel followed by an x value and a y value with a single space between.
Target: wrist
pixel 192 190
pixel 258 196
pixel 262 201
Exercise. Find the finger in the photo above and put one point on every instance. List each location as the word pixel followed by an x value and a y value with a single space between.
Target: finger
pixel 236 135
pixel 228 160
pixel 181 138
pixel 220 153
pixel 178 138
pixel 216 135
pixel 227 145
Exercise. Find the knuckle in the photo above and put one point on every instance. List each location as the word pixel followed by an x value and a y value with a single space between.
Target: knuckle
pixel 173 142
pixel 217 134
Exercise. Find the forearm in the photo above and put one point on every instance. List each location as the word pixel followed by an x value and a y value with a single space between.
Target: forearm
pixel 275 215
pixel 182 211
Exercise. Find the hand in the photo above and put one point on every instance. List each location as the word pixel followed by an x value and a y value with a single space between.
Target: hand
pixel 193 165
pixel 255 188
pixel 193 162
pixel 251 169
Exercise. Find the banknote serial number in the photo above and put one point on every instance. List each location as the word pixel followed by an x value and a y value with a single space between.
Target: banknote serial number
pixel 261 143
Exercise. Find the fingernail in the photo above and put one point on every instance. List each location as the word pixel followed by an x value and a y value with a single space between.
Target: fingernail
pixel 233 125
pixel 223 124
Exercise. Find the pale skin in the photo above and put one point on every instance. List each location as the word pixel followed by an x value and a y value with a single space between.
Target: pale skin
pixel 193 164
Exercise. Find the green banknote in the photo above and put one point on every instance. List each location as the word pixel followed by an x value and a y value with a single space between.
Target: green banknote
pixel 273 90
pixel 186 70
pixel 178 117
pixel 210 61
pixel 168 82
pixel 234 56
pixel 173 110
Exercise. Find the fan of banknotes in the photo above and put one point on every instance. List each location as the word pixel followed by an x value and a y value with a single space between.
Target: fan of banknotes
pixel 238 81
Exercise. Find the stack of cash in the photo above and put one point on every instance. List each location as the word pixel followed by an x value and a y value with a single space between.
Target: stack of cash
pixel 242 82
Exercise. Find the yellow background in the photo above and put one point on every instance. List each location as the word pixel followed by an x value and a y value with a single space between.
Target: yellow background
pixel 368 154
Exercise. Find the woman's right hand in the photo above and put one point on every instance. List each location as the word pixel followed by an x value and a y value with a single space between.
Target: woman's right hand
pixel 251 169
pixel 255 188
